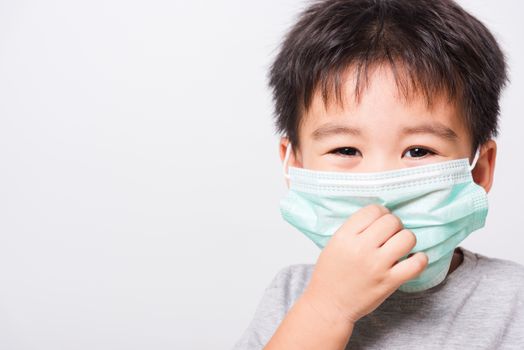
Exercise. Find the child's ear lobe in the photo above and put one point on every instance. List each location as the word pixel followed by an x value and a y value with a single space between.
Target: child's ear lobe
pixel 485 168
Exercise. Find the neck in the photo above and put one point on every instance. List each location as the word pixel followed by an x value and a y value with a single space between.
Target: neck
pixel 457 259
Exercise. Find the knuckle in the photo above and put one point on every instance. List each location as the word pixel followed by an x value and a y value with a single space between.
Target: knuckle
pixel 413 238
pixel 423 261
pixel 418 264
pixel 341 236
pixel 410 237
pixel 375 210
pixel 394 220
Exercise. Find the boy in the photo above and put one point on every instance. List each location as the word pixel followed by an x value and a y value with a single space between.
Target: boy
pixel 389 108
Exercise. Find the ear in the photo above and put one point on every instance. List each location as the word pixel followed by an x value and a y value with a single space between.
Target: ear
pixel 294 156
pixel 292 161
pixel 485 168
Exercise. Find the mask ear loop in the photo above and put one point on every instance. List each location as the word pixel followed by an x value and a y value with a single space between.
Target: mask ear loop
pixel 286 159
pixel 475 159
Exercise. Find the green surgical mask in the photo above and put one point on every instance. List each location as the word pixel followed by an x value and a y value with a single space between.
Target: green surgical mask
pixel 440 203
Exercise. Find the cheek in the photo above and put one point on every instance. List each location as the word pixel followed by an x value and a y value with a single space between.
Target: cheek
pixel 312 159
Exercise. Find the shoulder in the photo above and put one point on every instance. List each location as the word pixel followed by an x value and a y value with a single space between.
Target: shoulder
pixel 290 281
pixel 293 275
pixel 503 297
pixel 500 267
pixel 287 285
pixel 499 271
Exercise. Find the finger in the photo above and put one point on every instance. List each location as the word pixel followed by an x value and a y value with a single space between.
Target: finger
pixel 409 268
pixel 382 229
pixel 362 219
pixel 398 245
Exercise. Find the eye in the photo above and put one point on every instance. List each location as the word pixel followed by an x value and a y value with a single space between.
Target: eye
pixel 418 152
pixel 346 151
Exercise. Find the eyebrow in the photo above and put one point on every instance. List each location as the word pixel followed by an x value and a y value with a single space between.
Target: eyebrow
pixel 334 129
pixel 436 129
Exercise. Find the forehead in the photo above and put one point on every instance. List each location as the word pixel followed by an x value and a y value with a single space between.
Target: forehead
pixel 377 101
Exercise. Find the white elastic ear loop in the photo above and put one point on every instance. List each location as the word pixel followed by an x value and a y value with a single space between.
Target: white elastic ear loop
pixel 475 159
pixel 286 159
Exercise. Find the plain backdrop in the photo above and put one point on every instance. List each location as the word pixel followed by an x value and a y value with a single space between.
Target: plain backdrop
pixel 140 176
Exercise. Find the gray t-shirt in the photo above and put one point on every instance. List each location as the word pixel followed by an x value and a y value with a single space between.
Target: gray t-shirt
pixel 480 305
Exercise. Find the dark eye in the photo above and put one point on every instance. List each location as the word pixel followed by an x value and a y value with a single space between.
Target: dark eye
pixel 418 152
pixel 347 151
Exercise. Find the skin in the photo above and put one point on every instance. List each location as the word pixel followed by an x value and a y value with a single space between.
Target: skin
pixel 384 131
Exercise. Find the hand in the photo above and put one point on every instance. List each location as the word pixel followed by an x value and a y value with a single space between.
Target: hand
pixel 359 268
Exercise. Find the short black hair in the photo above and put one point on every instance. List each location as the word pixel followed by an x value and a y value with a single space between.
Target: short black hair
pixel 436 45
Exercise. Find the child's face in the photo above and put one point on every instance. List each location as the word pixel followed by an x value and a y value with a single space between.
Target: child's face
pixel 384 132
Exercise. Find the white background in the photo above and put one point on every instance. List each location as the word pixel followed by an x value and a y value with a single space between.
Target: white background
pixel 139 170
